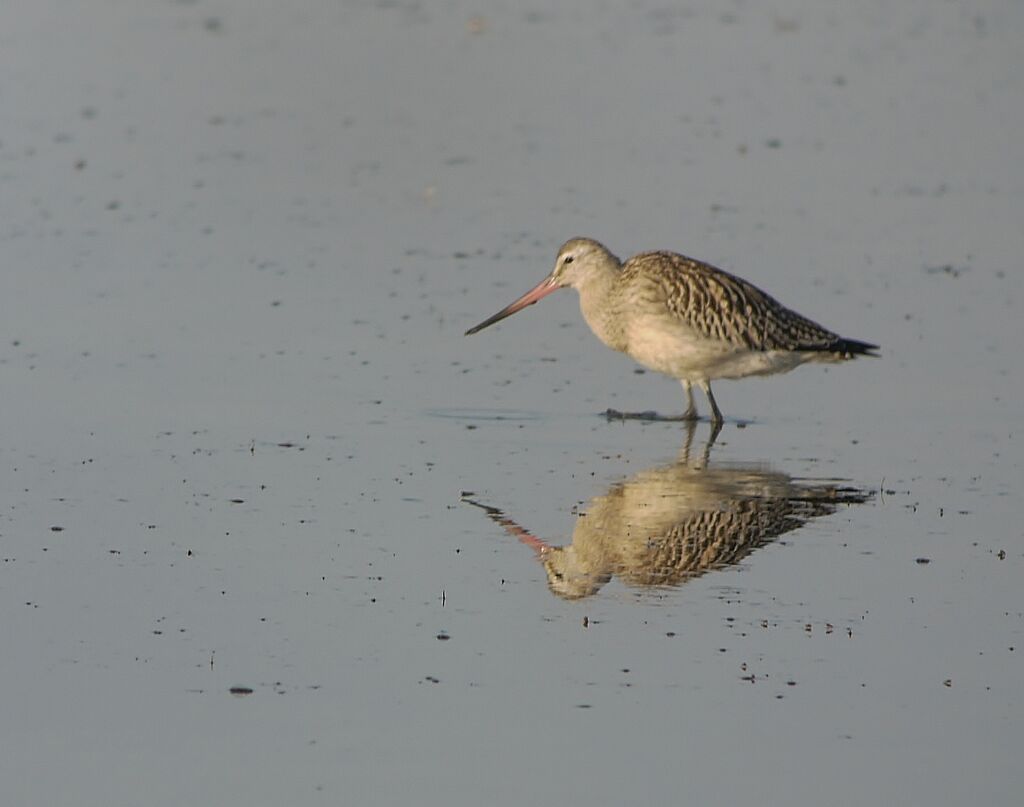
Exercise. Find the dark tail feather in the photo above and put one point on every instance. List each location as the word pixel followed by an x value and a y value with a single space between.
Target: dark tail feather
pixel 852 347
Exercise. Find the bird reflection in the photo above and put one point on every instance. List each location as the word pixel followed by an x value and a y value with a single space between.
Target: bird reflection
pixel 671 523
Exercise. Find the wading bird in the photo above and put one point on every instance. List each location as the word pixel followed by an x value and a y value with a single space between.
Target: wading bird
pixel 685 318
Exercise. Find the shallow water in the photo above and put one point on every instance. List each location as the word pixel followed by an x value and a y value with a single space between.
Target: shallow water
pixel 244 433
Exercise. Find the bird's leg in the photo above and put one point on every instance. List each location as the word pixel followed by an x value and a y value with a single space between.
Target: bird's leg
pixel 691 407
pixel 691 427
pixel 684 455
pixel 689 416
pixel 716 428
pixel 716 413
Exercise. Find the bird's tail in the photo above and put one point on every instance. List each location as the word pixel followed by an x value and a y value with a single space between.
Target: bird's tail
pixel 848 348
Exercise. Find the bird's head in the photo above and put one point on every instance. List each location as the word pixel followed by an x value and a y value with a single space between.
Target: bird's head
pixel 578 260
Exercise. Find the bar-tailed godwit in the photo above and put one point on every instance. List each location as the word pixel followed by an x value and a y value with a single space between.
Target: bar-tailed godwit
pixel 685 318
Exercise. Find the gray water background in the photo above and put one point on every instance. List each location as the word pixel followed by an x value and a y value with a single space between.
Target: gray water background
pixel 239 244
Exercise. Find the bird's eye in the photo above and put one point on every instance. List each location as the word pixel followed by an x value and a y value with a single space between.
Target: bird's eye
pixel 568 259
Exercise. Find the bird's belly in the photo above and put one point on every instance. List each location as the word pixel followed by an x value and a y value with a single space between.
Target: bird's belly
pixel 681 353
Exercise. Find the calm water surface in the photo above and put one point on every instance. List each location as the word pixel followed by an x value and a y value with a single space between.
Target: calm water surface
pixel 273 532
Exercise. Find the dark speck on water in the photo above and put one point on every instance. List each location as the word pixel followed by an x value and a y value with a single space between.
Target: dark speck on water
pixel 946 269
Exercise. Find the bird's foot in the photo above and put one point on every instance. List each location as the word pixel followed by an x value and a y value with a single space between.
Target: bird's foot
pixel 652 416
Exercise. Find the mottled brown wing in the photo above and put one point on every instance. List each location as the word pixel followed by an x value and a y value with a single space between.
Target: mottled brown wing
pixel 721 306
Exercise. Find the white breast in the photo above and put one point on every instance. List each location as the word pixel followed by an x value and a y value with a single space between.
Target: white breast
pixel 667 346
